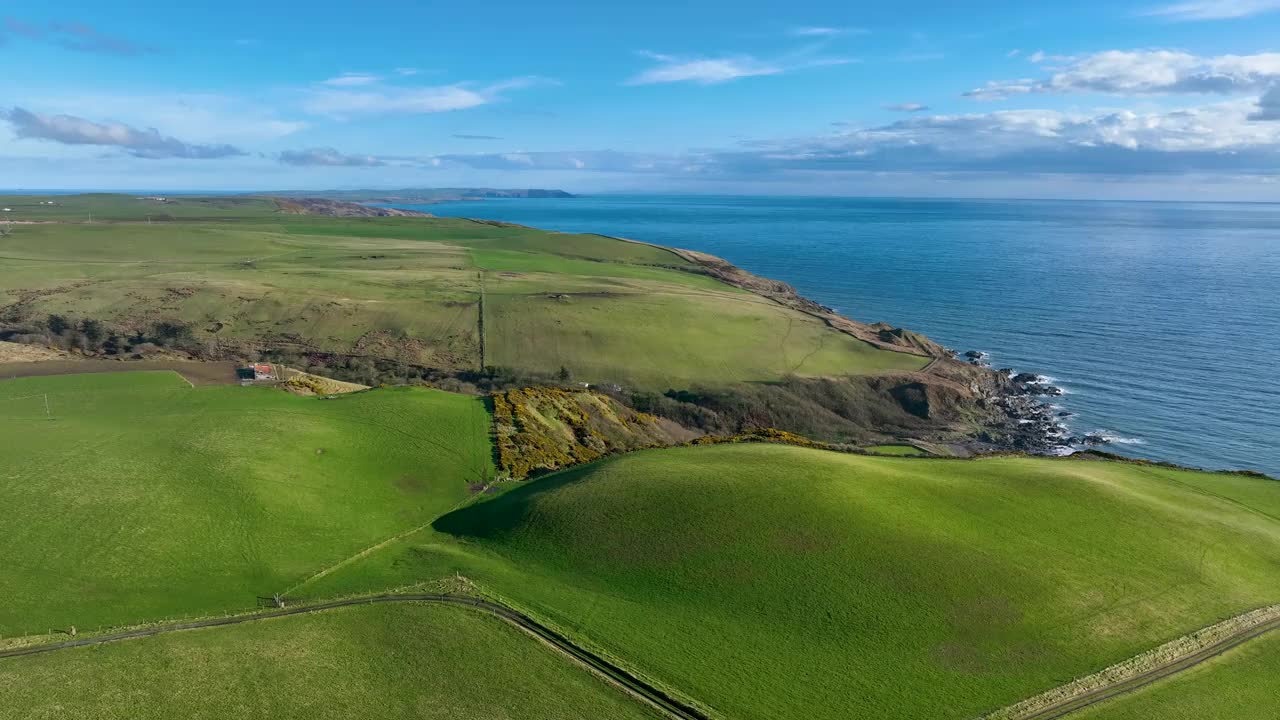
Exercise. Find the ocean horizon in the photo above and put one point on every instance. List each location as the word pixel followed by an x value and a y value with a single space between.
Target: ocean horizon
pixel 1154 317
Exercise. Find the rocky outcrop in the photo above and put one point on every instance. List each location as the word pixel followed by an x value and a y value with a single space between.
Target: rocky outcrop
pixel 338 208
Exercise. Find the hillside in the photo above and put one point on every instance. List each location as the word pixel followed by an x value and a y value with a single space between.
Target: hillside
pixel 755 581
pixel 422 196
pixel 131 497
pixel 381 663
pixel 776 582
pixel 1239 685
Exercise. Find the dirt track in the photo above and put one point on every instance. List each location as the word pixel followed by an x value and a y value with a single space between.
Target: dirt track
pixel 1067 706
pixel 615 675
pixel 197 373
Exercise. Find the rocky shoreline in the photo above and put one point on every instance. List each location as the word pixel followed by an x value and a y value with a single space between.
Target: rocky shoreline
pixel 1023 420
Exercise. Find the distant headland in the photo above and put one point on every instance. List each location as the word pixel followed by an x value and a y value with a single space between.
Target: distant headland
pixel 422 196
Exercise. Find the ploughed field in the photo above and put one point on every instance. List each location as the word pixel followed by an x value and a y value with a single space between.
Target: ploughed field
pixel 420 291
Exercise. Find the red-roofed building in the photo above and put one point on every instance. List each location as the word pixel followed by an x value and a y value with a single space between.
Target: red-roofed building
pixel 257 371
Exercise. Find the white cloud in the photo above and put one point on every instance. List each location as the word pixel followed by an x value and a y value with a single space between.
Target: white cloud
pixel 817 31
pixel 1144 72
pixel 203 118
pixel 407 71
pixel 712 71
pixel 1219 138
pixel 352 80
pixel 72 130
pixel 907 107
pixel 1215 9
pixel 1268 106
pixel 327 157
pixel 387 99
pixel 702 71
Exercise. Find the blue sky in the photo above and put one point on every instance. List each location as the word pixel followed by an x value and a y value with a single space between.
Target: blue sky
pixel 1160 99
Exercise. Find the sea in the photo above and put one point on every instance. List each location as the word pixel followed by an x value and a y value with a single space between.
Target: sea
pixel 1159 320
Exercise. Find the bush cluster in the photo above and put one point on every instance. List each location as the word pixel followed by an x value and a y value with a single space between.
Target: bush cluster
pixel 526 445
pixel 97 337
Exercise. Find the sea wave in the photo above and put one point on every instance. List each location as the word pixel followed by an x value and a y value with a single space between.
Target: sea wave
pixel 1118 439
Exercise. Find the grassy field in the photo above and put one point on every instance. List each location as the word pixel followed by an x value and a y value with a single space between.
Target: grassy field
pixel 383 662
pixel 137 496
pixel 409 289
pixel 1240 685
pixel 778 582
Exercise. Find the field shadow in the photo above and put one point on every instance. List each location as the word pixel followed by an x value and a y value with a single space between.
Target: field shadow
pixel 494 518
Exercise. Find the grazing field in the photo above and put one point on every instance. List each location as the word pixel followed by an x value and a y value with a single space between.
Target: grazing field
pixel 244 277
pixel 779 582
pixel 1240 685
pixel 132 497
pixel 377 662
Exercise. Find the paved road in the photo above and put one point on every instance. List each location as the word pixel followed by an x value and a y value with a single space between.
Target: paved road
pixel 619 677
pixel 1067 706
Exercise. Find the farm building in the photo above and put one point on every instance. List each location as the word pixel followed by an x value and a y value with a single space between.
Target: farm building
pixel 257 371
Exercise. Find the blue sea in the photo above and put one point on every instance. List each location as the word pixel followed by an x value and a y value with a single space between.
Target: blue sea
pixel 1161 321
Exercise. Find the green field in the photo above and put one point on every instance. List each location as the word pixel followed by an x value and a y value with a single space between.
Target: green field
pixel 245 277
pixel 379 662
pixel 779 582
pixel 139 497
pixel 758 581
pixel 1240 685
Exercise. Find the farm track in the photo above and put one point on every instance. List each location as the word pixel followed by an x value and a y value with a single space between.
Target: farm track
pixel 1070 705
pixel 612 673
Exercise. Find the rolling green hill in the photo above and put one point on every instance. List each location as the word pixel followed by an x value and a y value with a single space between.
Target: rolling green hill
pixel 381 662
pixel 1240 685
pixel 779 582
pixel 138 497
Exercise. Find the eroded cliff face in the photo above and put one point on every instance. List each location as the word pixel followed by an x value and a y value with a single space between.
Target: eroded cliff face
pixel 964 406
pixel 338 208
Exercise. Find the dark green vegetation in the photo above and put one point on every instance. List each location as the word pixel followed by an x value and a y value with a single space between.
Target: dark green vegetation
pixel 1240 685
pixel 389 661
pixel 138 497
pixel 779 582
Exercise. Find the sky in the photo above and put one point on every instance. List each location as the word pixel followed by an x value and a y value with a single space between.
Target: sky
pixel 1156 99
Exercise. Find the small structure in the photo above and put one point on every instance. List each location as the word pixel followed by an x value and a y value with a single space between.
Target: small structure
pixel 256 371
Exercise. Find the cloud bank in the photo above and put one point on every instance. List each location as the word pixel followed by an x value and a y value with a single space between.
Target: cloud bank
pixel 1144 72
pixel 1215 9
pixel 72 130
pixel 349 95
pixel 74 36
pixel 327 157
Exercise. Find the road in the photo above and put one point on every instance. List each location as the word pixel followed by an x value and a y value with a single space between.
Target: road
pixel 634 686
pixel 1070 705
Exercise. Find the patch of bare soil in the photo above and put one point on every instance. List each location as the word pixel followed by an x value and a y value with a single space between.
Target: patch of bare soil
pixel 20 353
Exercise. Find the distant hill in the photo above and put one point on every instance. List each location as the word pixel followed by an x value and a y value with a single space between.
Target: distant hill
pixel 422 196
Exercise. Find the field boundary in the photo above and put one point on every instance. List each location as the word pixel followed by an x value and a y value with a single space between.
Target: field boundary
pixel 1142 670
pixel 607 670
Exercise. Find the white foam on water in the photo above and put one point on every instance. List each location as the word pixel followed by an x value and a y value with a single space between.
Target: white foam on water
pixel 1118 439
